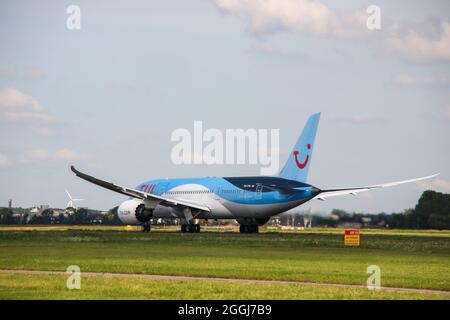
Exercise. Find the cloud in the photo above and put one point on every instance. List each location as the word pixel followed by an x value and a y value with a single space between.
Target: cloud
pixel 11 72
pixel 310 17
pixel 69 154
pixel 33 73
pixel 428 80
pixel 417 47
pixel 12 98
pixel 44 131
pixel 317 19
pixel 35 155
pixel 16 106
pixel 4 160
pixel 437 185
pixel 439 114
pixel 64 154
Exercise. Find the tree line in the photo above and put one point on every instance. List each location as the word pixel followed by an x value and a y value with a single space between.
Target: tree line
pixel 432 211
pixel 80 216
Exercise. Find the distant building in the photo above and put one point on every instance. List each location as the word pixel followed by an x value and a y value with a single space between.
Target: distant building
pixel 350 225
pixel 69 211
pixel 56 213
pixel 40 209
pixel 34 210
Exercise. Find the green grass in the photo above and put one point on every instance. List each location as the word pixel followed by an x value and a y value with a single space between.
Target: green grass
pixel 411 261
pixel 390 232
pixel 54 287
pixel 268 229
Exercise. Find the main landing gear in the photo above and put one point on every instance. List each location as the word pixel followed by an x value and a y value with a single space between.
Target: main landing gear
pixel 146 227
pixel 248 228
pixel 190 228
pixel 251 225
pixel 188 224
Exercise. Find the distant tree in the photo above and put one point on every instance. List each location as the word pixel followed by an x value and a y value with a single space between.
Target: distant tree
pixel 433 210
pixel 112 217
pixel 81 216
pixel 62 219
pixel 437 221
pixel 6 216
pixel 340 213
pixel 321 221
pixel 396 220
pixel 24 219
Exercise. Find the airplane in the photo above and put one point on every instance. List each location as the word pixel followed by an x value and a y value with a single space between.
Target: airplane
pixel 251 201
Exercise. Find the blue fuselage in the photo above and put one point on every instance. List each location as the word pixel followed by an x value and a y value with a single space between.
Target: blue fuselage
pixel 230 197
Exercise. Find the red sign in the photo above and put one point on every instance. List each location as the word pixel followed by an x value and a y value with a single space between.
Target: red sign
pixel 351 232
pixel 351 238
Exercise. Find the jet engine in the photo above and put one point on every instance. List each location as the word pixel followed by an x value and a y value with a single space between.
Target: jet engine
pixel 134 212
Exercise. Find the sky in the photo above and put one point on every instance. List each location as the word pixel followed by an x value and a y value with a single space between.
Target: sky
pixel 107 97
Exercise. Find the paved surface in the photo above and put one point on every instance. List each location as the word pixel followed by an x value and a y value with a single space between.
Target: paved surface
pixel 189 278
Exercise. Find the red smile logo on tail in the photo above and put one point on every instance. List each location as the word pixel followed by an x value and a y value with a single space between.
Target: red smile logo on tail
pixel 303 164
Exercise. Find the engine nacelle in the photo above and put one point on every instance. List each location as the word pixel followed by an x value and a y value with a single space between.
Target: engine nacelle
pixel 134 212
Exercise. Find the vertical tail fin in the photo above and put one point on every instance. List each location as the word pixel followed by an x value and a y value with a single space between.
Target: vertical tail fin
pixel 297 165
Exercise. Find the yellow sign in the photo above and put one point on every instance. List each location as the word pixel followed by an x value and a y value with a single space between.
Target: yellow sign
pixel 128 228
pixel 352 238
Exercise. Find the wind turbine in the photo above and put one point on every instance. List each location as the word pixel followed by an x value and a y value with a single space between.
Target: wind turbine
pixel 71 203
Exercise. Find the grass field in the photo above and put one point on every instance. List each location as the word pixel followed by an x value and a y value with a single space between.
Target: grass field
pixel 338 231
pixel 409 259
pixel 53 287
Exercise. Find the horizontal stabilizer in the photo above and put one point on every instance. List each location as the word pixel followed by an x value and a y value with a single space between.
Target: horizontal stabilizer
pixel 354 191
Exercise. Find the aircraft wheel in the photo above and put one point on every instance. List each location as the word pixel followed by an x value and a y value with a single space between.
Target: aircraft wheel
pixel 190 228
pixel 146 227
pixel 243 228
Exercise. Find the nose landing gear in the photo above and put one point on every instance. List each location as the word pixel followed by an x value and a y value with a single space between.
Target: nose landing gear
pixel 146 227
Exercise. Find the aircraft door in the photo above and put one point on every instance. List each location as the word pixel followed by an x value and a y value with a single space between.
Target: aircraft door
pixel 217 192
pixel 258 194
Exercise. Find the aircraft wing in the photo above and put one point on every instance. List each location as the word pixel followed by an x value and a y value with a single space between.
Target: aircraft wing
pixel 139 194
pixel 354 191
